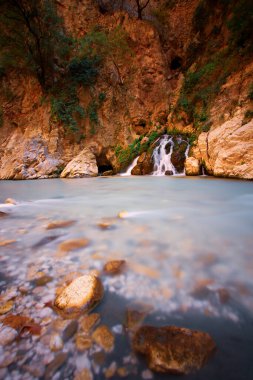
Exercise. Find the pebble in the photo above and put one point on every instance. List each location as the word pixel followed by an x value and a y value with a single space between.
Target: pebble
pixel 7 335
pixel 114 267
pixel 85 374
pixel 87 322
pixel 56 342
pixel 60 224
pixel 73 244
pixel 6 307
pixel 104 338
pixel 54 365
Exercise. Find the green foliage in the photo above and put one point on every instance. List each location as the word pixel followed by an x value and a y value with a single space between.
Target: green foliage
pixel 65 108
pixel 250 93
pixel 84 70
pixel 127 155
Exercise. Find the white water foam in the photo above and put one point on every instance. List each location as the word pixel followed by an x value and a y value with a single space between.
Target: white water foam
pixel 130 167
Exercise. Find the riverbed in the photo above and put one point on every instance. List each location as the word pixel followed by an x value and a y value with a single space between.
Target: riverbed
pixel 187 243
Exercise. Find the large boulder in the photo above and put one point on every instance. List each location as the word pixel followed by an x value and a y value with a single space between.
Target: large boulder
pixel 192 166
pixel 82 294
pixel 144 164
pixel 173 349
pixel 83 165
pixel 178 155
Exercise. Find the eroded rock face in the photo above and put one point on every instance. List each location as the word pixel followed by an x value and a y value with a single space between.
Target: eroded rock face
pixel 82 294
pixel 173 349
pixel 84 165
pixel 192 166
pixel 144 164
pixel 227 149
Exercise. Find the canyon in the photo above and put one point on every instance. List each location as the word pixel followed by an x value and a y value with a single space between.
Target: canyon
pixel 141 95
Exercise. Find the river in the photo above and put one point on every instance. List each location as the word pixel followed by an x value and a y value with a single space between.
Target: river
pixel 187 243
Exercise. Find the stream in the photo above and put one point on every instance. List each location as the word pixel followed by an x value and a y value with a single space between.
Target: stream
pixel 187 243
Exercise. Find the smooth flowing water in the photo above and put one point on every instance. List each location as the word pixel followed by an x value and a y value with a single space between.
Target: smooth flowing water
pixel 188 247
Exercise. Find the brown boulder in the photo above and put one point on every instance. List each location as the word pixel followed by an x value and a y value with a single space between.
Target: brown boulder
pixel 173 349
pixel 144 164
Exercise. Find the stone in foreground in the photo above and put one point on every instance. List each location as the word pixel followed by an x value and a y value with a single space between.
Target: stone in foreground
pixel 172 349
pixel 82 294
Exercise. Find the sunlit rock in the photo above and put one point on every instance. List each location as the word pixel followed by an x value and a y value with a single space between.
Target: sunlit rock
pixel 83 165
pixel 192 166
pixel 82 294
pixel 10 201
pixel 173 349
pixel 56 342
pixel 72 244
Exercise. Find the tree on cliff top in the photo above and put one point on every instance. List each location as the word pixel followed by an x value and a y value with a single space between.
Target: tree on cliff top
pixel 107 45
pixel 32 38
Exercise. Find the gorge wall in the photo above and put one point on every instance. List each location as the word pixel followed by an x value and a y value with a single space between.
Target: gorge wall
pixel 154 88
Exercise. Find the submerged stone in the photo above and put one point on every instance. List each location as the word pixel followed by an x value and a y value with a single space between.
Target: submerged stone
pixel 114 267
pixel 82 294
pixel 72 244
pixel 60 224
pixel 173 349
pixel 104 338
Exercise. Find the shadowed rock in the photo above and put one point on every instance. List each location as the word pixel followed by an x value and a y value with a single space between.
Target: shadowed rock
pixel 172 349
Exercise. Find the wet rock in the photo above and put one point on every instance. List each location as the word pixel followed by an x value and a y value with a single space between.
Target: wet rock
pixel 2 214
pixel 123 214
pixel 83 165
pixel 7 335
pixel 6 307
pixel 192 166
pixel 172 349
pixel 83 342
pixel 43 280
pixel 106 224
pixel 82 294
pixel 144 165
pixel 111 370
pixel 85 374
pixel 56 342
pixel 224 295
pixel 17 322
pixel 136 314
pixel 114 267
pixel 87 322
pixel 178 156
pixel 169 172
pixel 54 365
pixel 3 243
pixel 108 173
pixel 70 245
pixel 104 338
pixel 122 372
pixel 60 224
pixel 10 201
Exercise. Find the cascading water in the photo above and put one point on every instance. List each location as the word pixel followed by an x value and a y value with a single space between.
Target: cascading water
pixel 162 158
pixel 130 167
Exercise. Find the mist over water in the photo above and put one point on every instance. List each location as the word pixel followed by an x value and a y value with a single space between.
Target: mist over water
pixel 188 247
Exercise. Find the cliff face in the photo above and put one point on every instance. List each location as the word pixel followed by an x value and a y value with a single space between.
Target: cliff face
pixel 35 145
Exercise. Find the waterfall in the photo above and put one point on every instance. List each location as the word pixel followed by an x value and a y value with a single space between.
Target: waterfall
pixel 130 167
pixel 162 160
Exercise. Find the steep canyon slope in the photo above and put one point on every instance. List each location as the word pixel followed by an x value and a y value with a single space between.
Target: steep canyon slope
pixel 180 71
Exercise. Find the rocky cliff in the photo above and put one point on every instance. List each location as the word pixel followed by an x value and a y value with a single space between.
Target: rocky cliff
pixel 143 93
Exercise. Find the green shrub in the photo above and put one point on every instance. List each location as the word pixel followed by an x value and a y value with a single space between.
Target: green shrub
pixel 84 70
pixel 65 108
